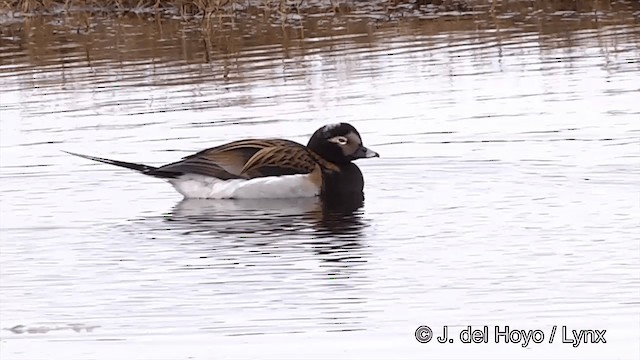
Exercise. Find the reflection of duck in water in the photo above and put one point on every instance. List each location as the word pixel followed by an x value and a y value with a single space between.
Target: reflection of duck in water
pixel 268 168
pixel 300 217
pixel 332 230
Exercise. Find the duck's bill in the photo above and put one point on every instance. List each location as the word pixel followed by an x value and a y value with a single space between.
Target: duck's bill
pixel 363 153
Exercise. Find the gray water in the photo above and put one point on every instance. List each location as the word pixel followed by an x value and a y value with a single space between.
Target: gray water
pixel 507 192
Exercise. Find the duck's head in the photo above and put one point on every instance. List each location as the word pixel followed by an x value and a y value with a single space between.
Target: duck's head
pixel 339 143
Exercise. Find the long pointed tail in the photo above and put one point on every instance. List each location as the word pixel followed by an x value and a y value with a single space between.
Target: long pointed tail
pixel 145 169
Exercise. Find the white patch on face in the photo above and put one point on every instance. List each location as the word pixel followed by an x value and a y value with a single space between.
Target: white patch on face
pixel 330 127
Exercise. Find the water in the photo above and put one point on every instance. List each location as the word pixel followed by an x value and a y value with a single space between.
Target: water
pixel 506 194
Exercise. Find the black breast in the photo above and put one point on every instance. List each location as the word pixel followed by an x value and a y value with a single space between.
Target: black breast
pixel 346 182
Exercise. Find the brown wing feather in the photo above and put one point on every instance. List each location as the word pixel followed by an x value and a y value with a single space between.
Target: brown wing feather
pixel 225 161
pixel 280 160
pixel 233 156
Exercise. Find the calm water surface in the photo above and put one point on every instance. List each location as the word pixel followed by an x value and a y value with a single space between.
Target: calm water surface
pixel 507 192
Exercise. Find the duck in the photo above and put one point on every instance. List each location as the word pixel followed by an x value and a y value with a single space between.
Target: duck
pixel 267 167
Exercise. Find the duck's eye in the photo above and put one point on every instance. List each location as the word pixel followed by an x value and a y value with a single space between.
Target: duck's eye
pixel 340 140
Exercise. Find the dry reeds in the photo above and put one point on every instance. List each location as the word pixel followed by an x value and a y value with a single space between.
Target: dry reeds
pixel 217 6
pixel 285 9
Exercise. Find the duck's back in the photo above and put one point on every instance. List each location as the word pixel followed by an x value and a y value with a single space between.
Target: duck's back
pixel 229 161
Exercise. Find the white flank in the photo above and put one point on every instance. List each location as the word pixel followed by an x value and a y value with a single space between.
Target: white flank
pixel 193 186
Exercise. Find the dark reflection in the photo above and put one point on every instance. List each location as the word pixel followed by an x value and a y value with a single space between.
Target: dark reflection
pixel 339 216
pixel 305 255
pixel 308 217
pixel 331 228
